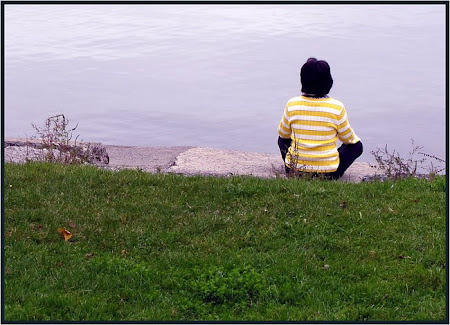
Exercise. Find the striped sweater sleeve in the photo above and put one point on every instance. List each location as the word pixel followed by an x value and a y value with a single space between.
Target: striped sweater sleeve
pixel 284 128
pixel 345 131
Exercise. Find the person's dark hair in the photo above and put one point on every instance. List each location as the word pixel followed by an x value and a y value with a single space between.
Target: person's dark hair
pixel 315 77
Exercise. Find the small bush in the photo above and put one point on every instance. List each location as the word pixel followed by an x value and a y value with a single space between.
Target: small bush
pixel 398 167
pixel 56 138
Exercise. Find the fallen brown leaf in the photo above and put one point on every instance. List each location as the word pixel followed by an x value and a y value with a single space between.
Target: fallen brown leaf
pixel 65 233
pixel 343 204
pixel 71 224
pixel 89 255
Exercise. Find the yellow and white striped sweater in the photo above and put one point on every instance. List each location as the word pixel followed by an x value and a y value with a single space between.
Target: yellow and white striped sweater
pixel 314 125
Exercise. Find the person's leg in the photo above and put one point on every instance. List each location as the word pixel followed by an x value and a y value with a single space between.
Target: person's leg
pixel 347 155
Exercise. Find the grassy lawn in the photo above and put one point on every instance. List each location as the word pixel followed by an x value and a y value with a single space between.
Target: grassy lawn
pixel 166 247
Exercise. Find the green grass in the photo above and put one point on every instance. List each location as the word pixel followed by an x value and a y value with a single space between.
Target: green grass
pixel 166 247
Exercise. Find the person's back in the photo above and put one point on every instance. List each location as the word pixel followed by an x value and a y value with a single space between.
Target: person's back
pixel 311 125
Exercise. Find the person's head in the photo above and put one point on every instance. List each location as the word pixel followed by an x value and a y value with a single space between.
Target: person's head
pixel 315 77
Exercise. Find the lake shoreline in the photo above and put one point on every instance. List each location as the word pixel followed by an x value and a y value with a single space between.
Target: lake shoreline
pixel 190 160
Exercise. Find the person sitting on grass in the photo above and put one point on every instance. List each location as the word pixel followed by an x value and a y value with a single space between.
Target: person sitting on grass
pixel 311 125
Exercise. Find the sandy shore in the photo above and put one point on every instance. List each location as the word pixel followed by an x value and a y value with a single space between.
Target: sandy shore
pixel 191 161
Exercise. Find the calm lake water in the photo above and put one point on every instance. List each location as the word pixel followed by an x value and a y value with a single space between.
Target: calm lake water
pixel 220 75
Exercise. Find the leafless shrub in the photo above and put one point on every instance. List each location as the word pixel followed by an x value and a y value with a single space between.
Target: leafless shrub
pixel 55 138
pixel 434 169
pixel 397 167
